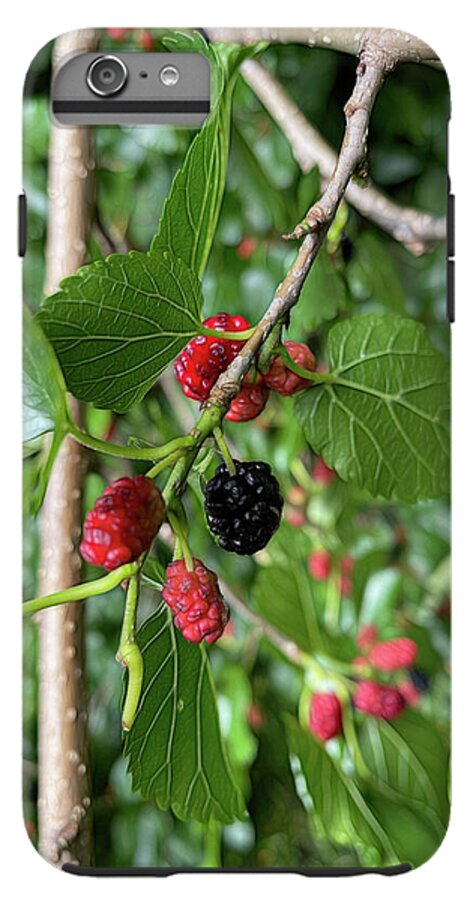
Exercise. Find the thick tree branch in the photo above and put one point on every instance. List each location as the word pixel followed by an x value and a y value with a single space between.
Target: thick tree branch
pixel 418 231
pixel 64 791
pixel 347 40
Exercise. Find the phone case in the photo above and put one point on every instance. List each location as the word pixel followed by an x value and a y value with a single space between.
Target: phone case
pixel 236 476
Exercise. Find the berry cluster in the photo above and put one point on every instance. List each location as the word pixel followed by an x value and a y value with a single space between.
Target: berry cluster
pixel 205 358
pixel 196 602
pixel 123 522
pixel 243 509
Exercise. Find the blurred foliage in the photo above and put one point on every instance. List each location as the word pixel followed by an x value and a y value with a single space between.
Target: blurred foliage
pixel 400 576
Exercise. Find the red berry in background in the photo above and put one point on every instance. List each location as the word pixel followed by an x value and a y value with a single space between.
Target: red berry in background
pixel 296 495
pixel 346 564
pixel 204 358
pixel 146 40
pixel 296 518
pixel 366 636
pixel 409 692
pixel 280 379
pixel 360 661
pixel 249 403
pixel 322 473
pixel 255 717
pixel 117 34
pixel 325 716
pixel 123 522
pixel 246 247
pixel 397 653
pixel 320 564
pixel 378 700
pixel 196 602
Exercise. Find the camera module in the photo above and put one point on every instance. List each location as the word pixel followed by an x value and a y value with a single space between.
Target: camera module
pixel 106 75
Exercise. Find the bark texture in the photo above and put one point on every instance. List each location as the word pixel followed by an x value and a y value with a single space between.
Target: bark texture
pixel 64 792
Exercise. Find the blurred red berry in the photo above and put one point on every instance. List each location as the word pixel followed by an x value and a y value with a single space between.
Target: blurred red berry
pixel 249 402
pixel 397 653
pixel 280 379
pixel 366 636
pixel 379 700
pixel 196 602
pixel 320 564
pixel 296 495
pixel 360 661
pixel 409 692
pixel 146 40
pixel 246 247
pixel 122 523
pixel 296 518
pixel 204 358
pixel 117 34
pixel 255 717
pixel 325 716
pixel 322 473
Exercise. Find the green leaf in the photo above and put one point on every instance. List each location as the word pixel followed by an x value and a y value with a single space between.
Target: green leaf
pixel 44 393
pixel 45 406
pixel 323 297
pixel 410 757
pixel 175 750
pixel 339 808
pixel 373 274
pixel 118 323
pixel 381 594
pixel 382 419
pixel 190 215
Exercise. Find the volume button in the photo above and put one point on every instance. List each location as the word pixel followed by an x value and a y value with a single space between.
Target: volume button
pixel 22 223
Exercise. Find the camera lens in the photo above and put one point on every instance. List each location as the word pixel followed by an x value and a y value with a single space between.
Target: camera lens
pixel 106 75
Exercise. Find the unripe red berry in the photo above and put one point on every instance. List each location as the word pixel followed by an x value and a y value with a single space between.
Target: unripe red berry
pixel 397 653
pixel 296 518
pixel 325 716
pixel 204 358
pixel 409 692
pixel 123 522
pixel 146 40
pixel 322 473
pixel 246 247
pixel 379 700
pixel 296 495
pixel 367 635
pixel 249 402
pixel 196 602
pixel 280 379
pixel 320 564
pixel 117 34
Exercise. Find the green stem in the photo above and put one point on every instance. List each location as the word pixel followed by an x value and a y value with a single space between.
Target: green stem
pixel 229 335
pixel 269 347
pixel 81 591
pixel 316 377
pixel 129 655
pixel 223 448
pixel 179 530
pixel 87 440
pixel 166 463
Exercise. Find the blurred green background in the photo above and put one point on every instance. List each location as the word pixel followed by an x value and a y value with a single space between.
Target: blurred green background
pixel 400 579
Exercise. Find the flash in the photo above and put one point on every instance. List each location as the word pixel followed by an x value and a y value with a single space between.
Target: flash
pixel 169 75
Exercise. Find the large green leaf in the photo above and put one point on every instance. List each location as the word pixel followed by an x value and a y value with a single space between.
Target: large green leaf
pixel 190 215
pixel 175 749
pixel 339 808
pixel 410 757
pixel 44 392
pixel 118 323
pixel 382 421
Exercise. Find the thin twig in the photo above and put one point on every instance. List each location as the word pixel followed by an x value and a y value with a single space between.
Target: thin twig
pixel 346 40
pixel 417 230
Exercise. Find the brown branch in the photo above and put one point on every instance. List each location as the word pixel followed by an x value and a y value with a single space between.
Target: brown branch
pixel 287 647
pixel 64 792
pixel 374 63
pixel 417 230
pixel 346 40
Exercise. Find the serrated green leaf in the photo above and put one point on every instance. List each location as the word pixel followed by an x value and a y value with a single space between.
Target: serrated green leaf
pixel 175 750
pixel 190 215
pixel 44 393
pixel 338 806
pixel 382 422
pixel 410 757
pixel 118 323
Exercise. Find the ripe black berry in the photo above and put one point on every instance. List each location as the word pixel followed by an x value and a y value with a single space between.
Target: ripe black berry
pixel 243 510
pixel 419 680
